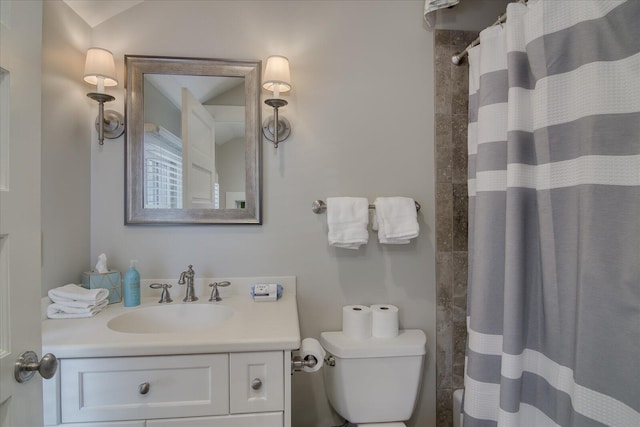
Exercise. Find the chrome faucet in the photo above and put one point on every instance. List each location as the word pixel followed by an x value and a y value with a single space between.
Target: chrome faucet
pixel 188 275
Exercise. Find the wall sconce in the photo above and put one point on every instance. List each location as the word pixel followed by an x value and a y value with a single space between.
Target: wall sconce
pixel 100 70
pixel 277 78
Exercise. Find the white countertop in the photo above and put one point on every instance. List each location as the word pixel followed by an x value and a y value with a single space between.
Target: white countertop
pixel 254 326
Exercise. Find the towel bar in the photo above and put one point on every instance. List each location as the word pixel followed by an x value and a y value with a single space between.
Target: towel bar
pixel 319 206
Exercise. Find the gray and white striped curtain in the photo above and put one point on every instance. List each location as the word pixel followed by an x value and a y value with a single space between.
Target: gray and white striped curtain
pixel 554 217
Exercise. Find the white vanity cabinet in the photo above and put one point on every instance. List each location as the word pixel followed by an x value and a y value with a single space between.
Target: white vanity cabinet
pixel 196 370
pixel 215 390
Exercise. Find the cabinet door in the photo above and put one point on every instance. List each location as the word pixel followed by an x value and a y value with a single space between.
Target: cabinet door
pixel 111 424
pixel 256 382
pixel 134 388
pixel 265 419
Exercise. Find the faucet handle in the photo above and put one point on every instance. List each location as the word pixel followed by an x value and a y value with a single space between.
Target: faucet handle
pixel 220 284
pixel 164 297
pixel 215 294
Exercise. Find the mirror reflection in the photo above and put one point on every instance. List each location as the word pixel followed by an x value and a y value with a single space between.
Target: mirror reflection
pixel 194 139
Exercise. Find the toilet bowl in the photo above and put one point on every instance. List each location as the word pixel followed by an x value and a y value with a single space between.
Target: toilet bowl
pixel 374 382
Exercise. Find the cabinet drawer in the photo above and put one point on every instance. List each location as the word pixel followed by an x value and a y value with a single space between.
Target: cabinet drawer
pixel 105 389
pixel 256 382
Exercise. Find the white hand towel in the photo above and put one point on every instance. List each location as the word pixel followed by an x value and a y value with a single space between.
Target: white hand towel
pixel 59 311
pixel 397 220
pixel 431 6
pixel 347 218
pixel 74 303
pixel 73 292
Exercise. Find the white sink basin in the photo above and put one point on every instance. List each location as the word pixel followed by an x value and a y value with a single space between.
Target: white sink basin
pixel 164 319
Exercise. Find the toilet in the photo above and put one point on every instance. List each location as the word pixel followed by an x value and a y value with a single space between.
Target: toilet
pixel 375 381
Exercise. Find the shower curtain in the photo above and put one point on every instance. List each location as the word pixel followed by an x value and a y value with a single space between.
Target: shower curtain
pixel 554 217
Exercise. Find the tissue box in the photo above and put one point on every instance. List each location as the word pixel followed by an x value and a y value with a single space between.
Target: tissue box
pixel 111 281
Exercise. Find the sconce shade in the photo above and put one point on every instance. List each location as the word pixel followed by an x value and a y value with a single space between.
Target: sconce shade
pixel 277 76
pixel 100 63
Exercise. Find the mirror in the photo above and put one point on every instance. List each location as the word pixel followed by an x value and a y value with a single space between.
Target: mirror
pixel 192 141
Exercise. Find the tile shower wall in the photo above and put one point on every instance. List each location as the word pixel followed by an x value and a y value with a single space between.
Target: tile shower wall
pixel 451 104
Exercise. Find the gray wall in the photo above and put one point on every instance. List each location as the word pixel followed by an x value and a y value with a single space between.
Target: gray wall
pixel 159 110
pixel 362 114
pixel 67 120
pixel 234 96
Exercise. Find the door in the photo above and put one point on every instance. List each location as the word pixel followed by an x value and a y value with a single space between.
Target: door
pixel 198 154
pixel 20 291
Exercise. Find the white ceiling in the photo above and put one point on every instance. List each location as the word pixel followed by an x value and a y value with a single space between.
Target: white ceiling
pixel 95 12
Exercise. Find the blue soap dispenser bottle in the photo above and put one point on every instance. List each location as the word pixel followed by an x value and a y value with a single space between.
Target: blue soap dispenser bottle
pixel 132 285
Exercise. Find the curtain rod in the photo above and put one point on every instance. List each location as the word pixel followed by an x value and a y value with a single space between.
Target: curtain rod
pixel 457 58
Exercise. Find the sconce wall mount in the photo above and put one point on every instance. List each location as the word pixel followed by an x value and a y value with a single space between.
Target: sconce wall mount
pixel 273 133
pixel 112 121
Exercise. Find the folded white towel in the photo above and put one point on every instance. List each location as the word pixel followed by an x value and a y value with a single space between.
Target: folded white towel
pixel 396 219
pixel 431 6
pixel 71 292
pixel 60 311
pixel 73 303
pixel 347 218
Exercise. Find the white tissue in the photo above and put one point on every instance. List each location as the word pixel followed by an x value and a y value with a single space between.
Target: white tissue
pixel 101 266
pixel 384 321
pixel 310 347
pixel 356 321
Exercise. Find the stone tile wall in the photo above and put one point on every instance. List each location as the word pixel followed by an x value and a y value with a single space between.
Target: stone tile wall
pixel 451 87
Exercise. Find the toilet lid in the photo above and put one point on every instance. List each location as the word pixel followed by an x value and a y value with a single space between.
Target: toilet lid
pixel 409 342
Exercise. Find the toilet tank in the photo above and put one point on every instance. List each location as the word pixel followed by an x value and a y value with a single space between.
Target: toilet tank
pixel 374 380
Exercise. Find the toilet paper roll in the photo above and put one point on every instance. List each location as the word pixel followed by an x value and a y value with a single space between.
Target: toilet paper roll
pixel 310 347
pixel 356 321
pixel 384 320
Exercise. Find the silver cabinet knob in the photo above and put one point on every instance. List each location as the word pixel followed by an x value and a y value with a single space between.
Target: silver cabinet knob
pixel 27 365
pixel 144 388
pixel 256 384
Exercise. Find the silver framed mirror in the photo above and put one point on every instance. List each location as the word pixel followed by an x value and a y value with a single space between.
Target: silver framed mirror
pixel 193 151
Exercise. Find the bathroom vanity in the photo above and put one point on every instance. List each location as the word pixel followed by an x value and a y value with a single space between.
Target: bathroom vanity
pixel 226 363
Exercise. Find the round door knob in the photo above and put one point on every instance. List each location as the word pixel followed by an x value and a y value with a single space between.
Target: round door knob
pixel 256 384
pixel 27 365
pixel 144 388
